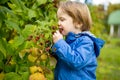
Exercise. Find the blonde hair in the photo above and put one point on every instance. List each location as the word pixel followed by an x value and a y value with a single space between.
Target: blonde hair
pixel 79 12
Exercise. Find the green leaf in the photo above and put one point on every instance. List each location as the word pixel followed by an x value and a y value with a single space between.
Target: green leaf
pixel 50 0
pixel 25 45
pixel 23 70
pixel 2 13
pixel 2 48
pixel 39 2
pixel 3 1
pixel 0 23
pixel 1 56
pixel 10 50
pixel 32 13
pixel 12 25
pixel 12 76
pixel 47 36
pixel 28 30
pixel 18 40
pixel 28 44
pixel 25 75
pixel 9 68
pixel 1 65
pixel 50 76
pixel 12 6
pixel 5 48
pixel 19 4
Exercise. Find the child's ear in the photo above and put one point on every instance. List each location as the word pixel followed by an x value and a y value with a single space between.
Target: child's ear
pixel 78 26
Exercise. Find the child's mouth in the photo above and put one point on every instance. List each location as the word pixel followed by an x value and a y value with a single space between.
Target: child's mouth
pixel 60 30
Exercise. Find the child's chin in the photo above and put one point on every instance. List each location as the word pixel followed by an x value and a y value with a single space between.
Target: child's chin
pixel 64 34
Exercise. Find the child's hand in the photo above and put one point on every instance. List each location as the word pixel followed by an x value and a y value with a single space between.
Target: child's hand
pixel 57 36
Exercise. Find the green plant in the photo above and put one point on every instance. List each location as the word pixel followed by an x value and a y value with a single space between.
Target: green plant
pixel 26 28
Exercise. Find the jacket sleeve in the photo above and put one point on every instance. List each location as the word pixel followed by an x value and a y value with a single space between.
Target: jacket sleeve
pixel 76 58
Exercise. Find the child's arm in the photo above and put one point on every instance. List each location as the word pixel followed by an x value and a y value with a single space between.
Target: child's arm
pixel 77 58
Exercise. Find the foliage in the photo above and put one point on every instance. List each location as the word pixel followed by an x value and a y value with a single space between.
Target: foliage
pixel 113 7
pixel 25 37
pixel 100 26
pixel 98 20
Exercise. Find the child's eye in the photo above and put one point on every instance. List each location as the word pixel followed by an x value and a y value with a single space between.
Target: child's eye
pixel 62 19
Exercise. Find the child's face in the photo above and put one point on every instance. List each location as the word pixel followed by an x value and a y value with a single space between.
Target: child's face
pixel 65 23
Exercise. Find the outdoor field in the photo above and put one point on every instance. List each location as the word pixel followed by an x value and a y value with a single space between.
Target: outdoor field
pixel 109 61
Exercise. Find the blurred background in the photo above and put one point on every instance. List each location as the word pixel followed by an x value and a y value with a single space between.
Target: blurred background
pixel 26 27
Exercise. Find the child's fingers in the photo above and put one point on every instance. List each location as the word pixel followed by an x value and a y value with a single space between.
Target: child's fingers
pixel 57 31
pixel 56 34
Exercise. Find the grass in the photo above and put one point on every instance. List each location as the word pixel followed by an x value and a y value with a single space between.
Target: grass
pixel 109 61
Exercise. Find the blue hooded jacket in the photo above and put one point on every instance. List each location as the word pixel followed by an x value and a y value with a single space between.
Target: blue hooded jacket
pixel 76 56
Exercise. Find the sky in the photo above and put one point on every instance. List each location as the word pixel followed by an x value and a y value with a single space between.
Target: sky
pixel 97 2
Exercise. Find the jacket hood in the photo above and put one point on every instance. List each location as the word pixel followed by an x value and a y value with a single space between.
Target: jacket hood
pixel 98 43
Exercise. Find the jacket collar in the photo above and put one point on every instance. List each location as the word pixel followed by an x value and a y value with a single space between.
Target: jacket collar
pixel 72 36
